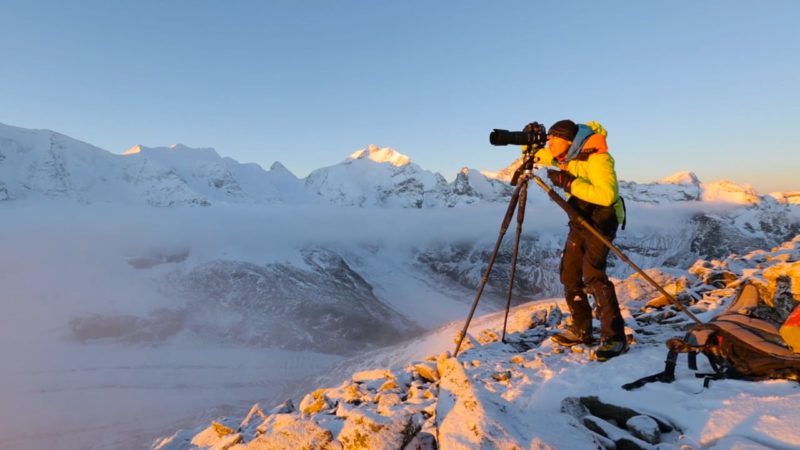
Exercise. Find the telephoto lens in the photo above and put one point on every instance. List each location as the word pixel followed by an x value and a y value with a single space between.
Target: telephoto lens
pixel 505 137
pixel 535 135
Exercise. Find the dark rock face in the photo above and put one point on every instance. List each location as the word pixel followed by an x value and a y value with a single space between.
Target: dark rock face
pixel 462 187
pixel 411 188
pixel 465 263
pixel 329 308
pixel 159 325
pixel 716 236
pixel 703 236
pixel 49 175
pixel 148 261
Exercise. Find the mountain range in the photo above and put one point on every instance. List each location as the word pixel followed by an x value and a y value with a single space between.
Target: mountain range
pixel 326 306
pixel 46 164
pixel 672 221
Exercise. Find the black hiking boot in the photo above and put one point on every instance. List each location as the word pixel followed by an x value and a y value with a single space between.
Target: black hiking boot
pixel 570 337
pixel 609 349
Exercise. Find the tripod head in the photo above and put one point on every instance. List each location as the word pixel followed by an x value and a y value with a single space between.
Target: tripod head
pixel 527 165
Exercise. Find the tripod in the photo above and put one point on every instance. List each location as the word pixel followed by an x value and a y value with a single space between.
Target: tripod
pixel 518 199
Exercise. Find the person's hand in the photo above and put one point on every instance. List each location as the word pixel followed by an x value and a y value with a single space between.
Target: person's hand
pixel 561 178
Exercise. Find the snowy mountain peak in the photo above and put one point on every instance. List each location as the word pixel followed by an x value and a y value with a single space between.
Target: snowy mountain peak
pixel 173 150
pixel 277 167
pixel 185 148
pixel 791 198
pixel 685 177
pixel 505 174
pixel 728 192
pixel 133 150
pixel 381 155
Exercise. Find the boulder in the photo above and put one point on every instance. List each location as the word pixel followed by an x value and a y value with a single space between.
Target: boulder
pixel 291 432
pixel 374 432
pixel 644 428
pixel 315 402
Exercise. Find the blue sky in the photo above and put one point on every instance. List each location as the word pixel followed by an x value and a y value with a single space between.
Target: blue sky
pixel 708 86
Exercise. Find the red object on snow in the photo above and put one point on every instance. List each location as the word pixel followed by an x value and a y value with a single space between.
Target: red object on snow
pixel 790 331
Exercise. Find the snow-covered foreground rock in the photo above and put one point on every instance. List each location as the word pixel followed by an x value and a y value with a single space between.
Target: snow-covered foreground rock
pixel 526 393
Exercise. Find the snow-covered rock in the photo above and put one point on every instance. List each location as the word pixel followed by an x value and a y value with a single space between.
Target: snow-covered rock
pixel 472 186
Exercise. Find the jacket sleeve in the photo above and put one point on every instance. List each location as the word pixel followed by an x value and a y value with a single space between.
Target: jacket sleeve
pixel 544 157
pixel 599 186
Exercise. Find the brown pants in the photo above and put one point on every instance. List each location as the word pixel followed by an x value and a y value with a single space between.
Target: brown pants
pixel 583 269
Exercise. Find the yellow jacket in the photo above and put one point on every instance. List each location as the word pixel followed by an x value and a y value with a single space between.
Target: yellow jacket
pixel 595 177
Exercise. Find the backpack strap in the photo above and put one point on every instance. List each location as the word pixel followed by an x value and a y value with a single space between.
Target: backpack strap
pixel 694 341
pixel 729 373
pixel 665 376
pixel 692 357
pixel 709 377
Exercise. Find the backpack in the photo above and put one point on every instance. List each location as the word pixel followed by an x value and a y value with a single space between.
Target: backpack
pixel 741 343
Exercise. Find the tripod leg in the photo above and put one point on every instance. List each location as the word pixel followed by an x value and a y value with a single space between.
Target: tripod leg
pixel 503 228
pixel 523 199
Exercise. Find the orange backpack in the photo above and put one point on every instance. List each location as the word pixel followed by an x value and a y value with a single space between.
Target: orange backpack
pixel 737 345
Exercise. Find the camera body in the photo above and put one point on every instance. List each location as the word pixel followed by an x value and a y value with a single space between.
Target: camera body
pixel 533 135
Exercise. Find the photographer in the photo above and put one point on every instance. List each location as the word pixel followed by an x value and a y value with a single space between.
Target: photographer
pixel 587 175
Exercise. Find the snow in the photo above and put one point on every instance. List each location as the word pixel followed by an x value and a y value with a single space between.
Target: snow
pixel 497 395
pixel 726 191
pixel 685 177
pixel 504 174
pixel 91 238
pixel 792 198
pixel 382 155
pixel 43 164
pixel 376 177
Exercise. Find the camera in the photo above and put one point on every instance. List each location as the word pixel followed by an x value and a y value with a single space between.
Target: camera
pixel 534 134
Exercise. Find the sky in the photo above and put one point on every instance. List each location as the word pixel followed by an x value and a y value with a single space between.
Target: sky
pixel 712 86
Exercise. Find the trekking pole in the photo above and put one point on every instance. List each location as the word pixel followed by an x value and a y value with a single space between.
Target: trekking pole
pixel 573 215
pixel 523 199
pixel 521 184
